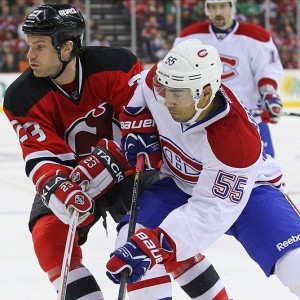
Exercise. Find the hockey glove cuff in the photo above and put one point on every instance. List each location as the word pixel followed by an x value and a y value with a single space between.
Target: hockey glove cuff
pixel 145 249
pixel 102 169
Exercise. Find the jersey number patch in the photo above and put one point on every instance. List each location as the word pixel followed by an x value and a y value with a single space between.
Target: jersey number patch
pixel 229 186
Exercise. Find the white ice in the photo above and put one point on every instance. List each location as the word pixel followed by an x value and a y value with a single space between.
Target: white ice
pixel 22 279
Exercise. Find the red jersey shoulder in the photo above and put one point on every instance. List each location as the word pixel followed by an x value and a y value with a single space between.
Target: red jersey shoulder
pixel 149 78
pixel 235 140
pixel 25 92
pixel 253 31
pixel 99 59
pixel 199 27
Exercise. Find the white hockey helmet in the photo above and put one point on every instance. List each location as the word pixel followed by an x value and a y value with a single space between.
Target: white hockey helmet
pixel 189 65
pixel 192 65
pixel 232 2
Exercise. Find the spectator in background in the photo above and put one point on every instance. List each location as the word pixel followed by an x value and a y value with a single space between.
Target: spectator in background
pixel 149 32
pixel 160 45
pixel 248 8
pixel 170 26
pixel 23 61
pixel 9 60
pixel 19 9
pixel 99 39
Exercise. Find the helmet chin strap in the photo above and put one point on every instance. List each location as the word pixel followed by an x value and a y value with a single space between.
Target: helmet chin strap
pixel 64 63
pixel 198 111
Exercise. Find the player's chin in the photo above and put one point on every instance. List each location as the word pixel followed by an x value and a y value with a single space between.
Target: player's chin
pixel 219 22
pixel 38 73
pixel 177 118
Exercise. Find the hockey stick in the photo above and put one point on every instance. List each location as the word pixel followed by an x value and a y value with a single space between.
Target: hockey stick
pixel 285 113
pixel 139 170
pixel 67 255
pixel 257 113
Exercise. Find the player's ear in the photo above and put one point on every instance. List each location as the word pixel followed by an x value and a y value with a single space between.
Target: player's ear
pixel 206 94
pixel 67 48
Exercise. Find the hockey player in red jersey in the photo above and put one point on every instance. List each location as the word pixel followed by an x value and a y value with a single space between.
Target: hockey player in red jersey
pixel 215 177
pixel 251 63
pixel 65 109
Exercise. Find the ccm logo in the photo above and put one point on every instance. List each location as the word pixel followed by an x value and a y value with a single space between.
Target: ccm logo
pixel 147 123
pixel 151 246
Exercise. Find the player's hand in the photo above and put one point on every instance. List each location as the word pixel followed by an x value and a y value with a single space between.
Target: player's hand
pixel 131 257
pixel 271 107
pixel 147 144
pixel 62 196
pixel 140 135
pixel 145 249
pixel 102 169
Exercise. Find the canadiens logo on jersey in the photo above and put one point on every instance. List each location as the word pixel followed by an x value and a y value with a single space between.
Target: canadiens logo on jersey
pixel 230 64
pixel 180 164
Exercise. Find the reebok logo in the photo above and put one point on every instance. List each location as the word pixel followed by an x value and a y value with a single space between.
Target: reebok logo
pixel 69 11
pixel 293 239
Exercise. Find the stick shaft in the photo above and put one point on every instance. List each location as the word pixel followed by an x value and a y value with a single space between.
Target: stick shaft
pixel 139 170
pixel 67 256
pixel 257 113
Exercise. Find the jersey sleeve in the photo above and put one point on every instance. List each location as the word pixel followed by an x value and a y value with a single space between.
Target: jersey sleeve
pixel 265 61
pixel 121 83
pixel 44 153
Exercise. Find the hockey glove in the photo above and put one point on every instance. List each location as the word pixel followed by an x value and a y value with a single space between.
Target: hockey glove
pixel 63 196
pixel 271 107
pixel 140 136
pixel 145 249
pixel 102 169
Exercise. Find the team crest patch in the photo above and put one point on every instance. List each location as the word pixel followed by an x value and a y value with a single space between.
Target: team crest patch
pixel 180 164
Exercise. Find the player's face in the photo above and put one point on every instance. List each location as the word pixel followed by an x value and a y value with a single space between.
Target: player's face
pixel 42 56
pixel 180 104
pixel 220 14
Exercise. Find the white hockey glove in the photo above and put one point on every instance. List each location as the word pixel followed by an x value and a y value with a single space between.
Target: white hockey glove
pixel 62 196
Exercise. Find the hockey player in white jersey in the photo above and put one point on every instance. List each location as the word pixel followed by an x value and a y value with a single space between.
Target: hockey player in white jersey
pixel 251 64
pixel 215 177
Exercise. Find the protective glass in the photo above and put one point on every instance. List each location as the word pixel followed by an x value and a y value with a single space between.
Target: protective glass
pixel 171 96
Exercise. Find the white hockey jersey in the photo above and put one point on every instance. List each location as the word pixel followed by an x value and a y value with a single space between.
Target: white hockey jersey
pixel 249 56
pixel 217 161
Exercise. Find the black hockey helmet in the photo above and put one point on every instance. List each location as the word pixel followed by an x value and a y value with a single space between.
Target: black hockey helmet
pixel 62 22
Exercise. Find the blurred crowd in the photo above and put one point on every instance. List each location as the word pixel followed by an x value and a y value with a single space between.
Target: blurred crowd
pixel 156 26
pixel 156 22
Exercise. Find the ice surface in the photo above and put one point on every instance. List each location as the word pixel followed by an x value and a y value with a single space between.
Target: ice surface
pixel 22 279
